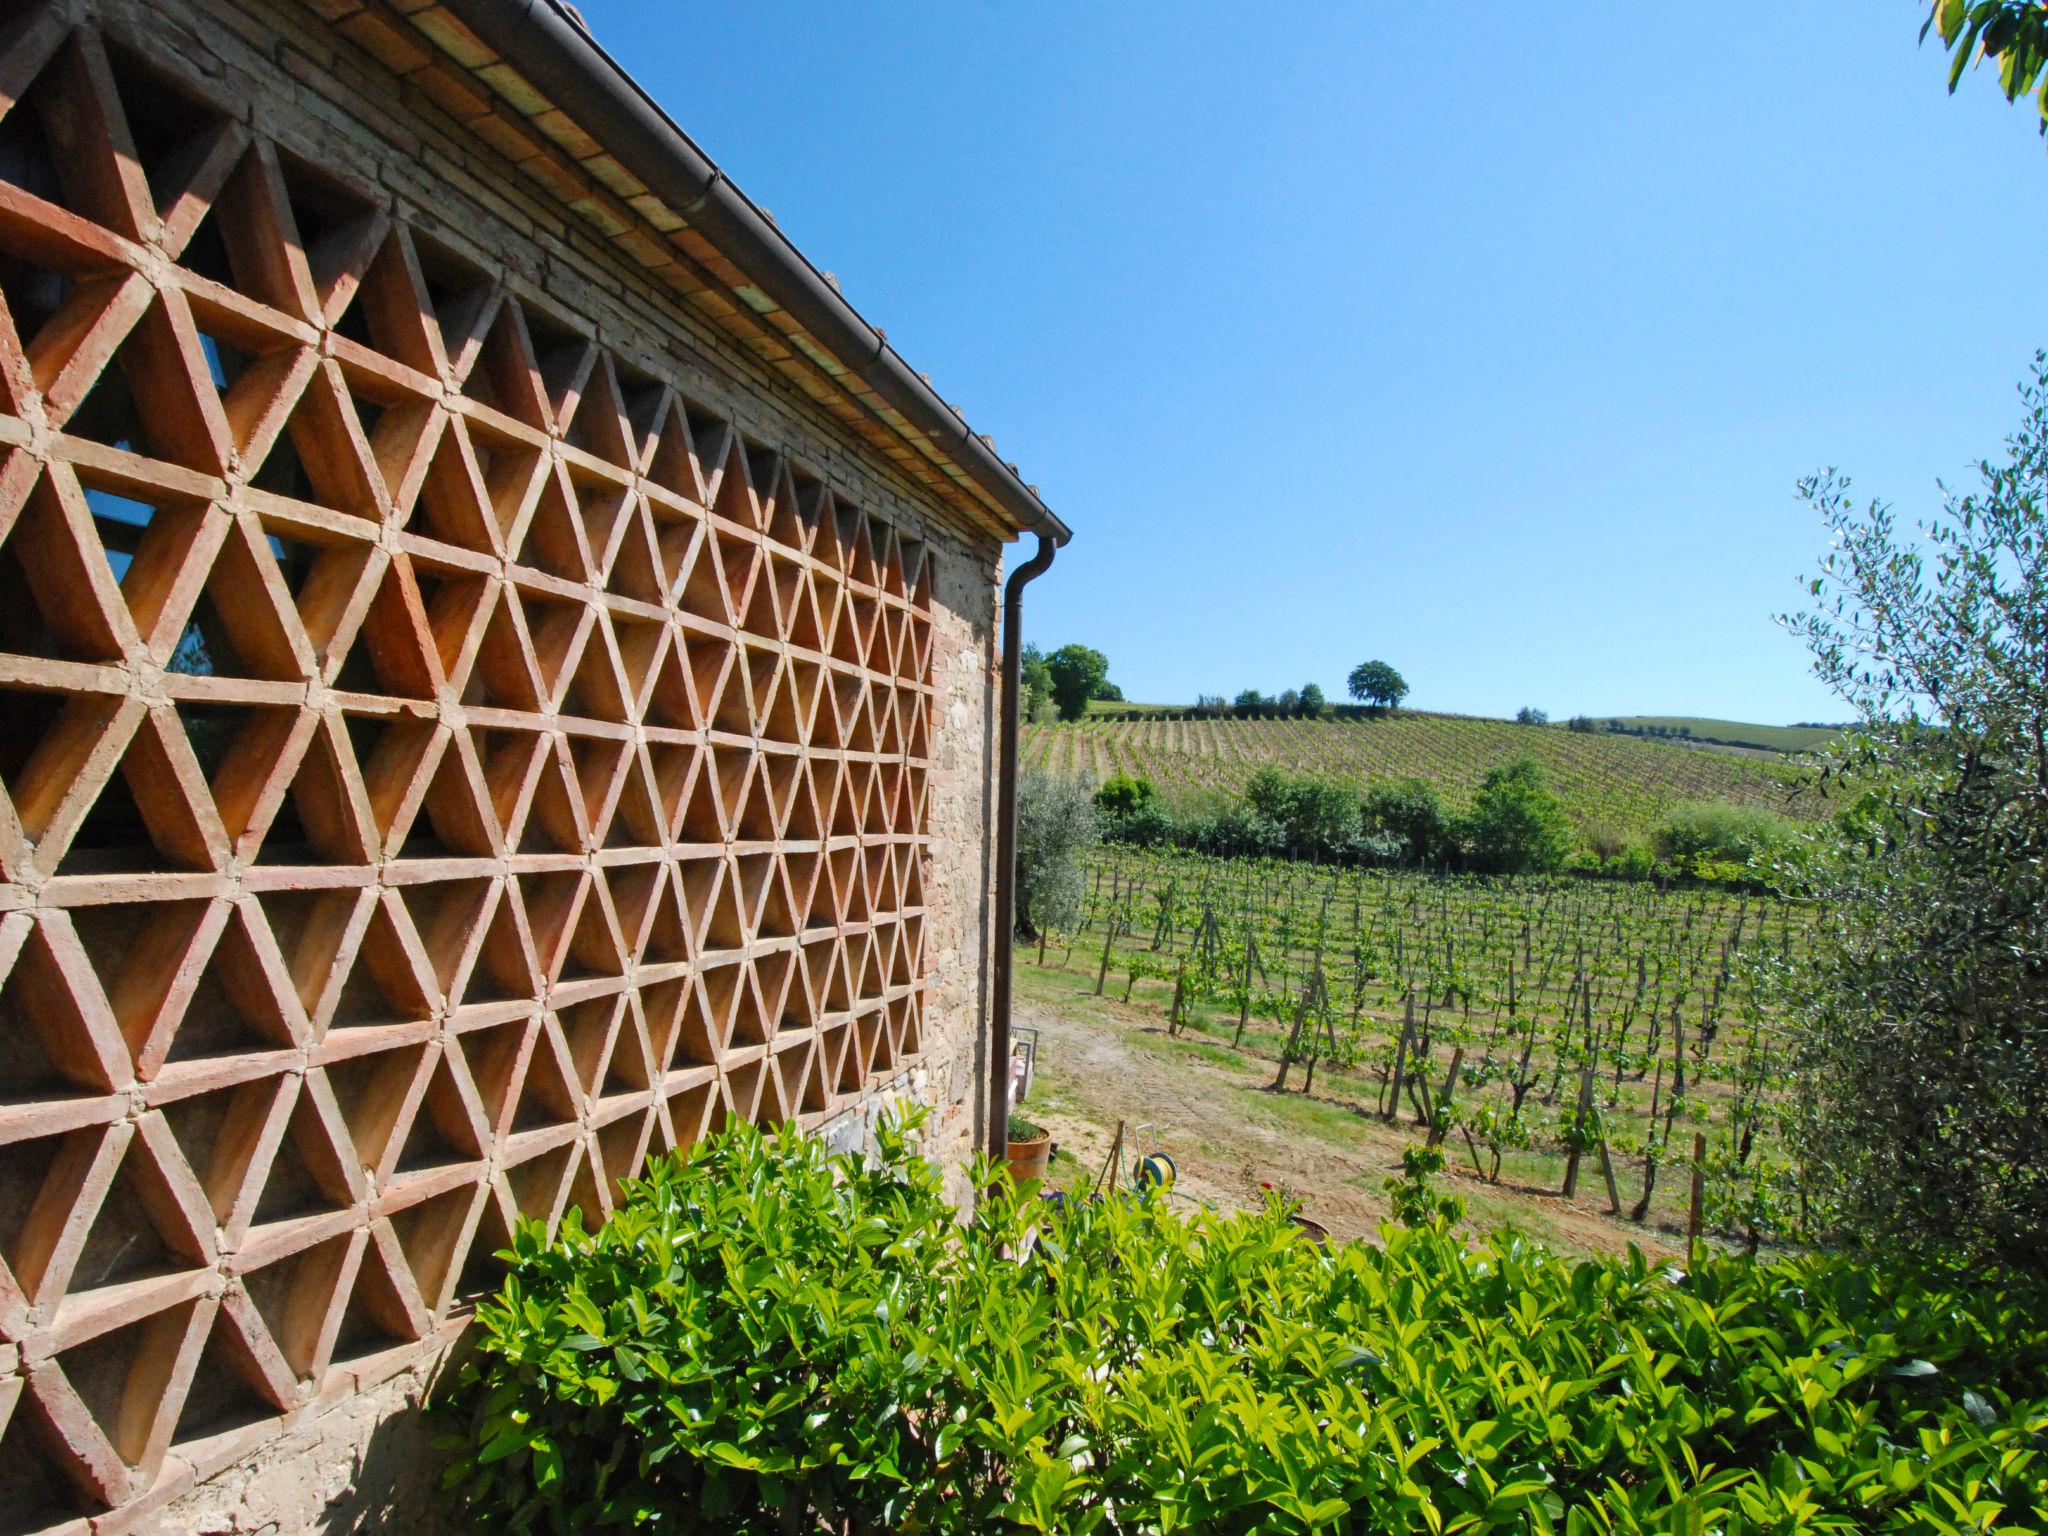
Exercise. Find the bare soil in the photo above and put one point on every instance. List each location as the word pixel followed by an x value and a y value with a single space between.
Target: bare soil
pixel 1229 1133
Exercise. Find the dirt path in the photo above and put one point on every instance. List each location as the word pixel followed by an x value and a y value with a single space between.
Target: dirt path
pixel 1228 1133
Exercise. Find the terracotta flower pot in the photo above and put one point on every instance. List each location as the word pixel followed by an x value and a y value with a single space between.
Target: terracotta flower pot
pixel 1029 1156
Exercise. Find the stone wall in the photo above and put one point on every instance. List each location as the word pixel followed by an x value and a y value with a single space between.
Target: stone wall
pixel 467 726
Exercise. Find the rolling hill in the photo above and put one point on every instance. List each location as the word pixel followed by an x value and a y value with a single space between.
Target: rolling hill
pixel 1735 733
pixel 1622 782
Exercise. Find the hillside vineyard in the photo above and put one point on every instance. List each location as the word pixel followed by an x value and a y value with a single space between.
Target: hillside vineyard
pixel 1618 780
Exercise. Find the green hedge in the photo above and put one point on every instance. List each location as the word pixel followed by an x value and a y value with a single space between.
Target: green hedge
pixel 771 1339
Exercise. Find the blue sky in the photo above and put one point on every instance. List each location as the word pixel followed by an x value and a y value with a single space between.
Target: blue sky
pixel 1487 339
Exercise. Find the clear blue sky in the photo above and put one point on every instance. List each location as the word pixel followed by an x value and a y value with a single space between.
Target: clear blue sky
pixel 1487 339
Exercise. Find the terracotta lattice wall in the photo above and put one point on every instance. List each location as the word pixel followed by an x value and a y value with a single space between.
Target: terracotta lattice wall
pixel 442 766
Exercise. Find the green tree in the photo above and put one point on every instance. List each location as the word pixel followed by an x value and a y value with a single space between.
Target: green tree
pixel 2012 33
pixel 1714 832
pixel 1077 671
pixel 1108 692
pixel 1517 825
pixel 1376 683
pixel 1123 795
pixel 1317 818
pixel 1055 830
pixel 1312 702
pixel 1920 1003
pixel 1409 812
pixel 1250 702
pixel 1035 681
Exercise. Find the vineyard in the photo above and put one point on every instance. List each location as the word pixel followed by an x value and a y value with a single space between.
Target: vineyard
pixel 1620 782
pixel 1552 1037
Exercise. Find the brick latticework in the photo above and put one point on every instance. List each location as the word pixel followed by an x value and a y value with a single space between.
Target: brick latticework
pixel 443 766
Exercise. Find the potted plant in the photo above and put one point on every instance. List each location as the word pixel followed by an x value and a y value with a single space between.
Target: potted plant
pixel 1030 1151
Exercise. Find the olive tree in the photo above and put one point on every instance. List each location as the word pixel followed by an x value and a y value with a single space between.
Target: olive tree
pixel 1055 830
pixel 1921 1004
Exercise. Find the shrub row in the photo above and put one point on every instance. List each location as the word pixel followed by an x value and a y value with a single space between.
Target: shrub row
pixel 768 1338
pixel 1516 825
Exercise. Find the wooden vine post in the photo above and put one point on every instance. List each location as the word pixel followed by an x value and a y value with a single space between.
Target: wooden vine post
pixel 1401 1060
pixel 1696 1215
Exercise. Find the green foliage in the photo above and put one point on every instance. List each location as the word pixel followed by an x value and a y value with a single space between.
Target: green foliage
pixel 1108 692
pixel 767 1339
pixel 1076 671
pixel 1312 701
pixel 1709 833
pixel 1317 818
pixel 1124 795
pixel 1378 684
pixel 2013 32
pixel 1410 812
pixel 1034 679
pixel 1055 829
pixel 1922 1004
pixel 1529 714
pixel 1517 826
pixel 1413 1196
pixel 1250 702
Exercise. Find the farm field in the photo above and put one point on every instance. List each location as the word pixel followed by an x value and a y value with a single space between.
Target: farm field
pixel 1737 733
pixel 1297 1027
pixel 1622 782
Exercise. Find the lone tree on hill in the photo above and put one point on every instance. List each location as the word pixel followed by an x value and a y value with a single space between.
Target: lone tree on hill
pixel 1376 683
pixel 1077 671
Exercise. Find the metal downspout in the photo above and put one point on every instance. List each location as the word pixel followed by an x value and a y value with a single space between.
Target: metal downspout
pixel 1006 848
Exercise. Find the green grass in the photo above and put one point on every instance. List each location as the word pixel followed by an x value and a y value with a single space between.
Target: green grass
pixel 1626 783
pixel 1736 733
